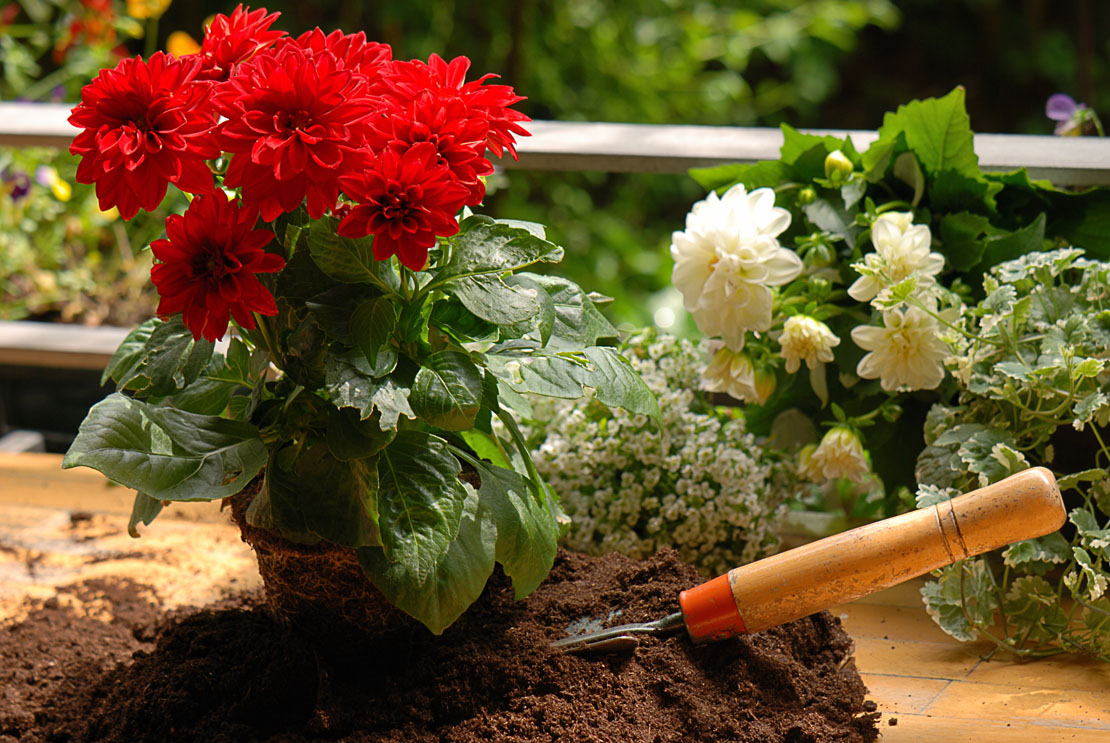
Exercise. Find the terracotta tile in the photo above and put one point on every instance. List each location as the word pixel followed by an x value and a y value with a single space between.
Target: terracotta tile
pixel 1062 672
pixel 1011 702
pixel 937 660
pixel 890 623
pixel 899 694
pixel 913 728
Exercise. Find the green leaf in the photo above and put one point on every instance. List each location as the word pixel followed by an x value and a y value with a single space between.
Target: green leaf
pixel 577 322
pixel 962 600
pixel 420 501
pixel 447 391
pixel 1010 245
pixel 962 239
pixel 484 246
pixel 349 437
pixel 347 260
pixel 372 326
pixel 168 361
pixel 570 376
pixel 1074 479
pixel 526 530
pixel 301 279
pixel 144 510
pixel 130 352
pixel 1052 548
pixel 721 177
pixel 166 453
pixel 332 309
pixel 351 382
pixel 617 384
pixel 336 500
pixel 796 145
pixel 938 132
pixel 455 579
pixel 491 299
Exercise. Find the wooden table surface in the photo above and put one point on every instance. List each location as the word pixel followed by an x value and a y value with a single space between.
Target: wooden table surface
pixel 935 688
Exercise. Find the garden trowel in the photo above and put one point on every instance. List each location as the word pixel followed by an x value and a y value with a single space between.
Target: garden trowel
pixel 846 566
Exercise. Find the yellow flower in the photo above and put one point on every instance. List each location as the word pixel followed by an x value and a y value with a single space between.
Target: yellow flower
pixel 181 44
pixel 147 8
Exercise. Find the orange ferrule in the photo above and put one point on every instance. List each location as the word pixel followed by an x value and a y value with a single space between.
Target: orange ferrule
pixel 710 611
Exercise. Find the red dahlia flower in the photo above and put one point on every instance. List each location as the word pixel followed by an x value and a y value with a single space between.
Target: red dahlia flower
pixel 146 124
pixel 357 54
pixel 295 123
pixel 231 40
pixel 208 263
pixel 405 200
pixel 460 142
pixel 407 81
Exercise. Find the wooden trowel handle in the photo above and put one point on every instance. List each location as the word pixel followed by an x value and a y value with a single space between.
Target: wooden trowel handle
pixel 845 566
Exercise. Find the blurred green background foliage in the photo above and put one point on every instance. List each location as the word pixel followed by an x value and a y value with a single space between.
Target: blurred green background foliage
pixel 811 63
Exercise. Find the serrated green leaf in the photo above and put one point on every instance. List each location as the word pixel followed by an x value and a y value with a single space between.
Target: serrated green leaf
pixel 938 132
pixel 144 510
pixel 420 502
pixel 166 453
pixel 831 218
pixel 1075 478
pixel 454 581
pixel 1052 548
pixel 332 309
pixel 962 601
pixel 447 391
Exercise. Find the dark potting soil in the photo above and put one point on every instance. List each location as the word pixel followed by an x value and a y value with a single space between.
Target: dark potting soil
pixel 236 674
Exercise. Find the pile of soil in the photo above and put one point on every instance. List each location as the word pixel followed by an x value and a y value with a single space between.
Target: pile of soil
pixel 233 673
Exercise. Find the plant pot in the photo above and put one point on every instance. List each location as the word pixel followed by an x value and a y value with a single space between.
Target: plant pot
pixel 319 589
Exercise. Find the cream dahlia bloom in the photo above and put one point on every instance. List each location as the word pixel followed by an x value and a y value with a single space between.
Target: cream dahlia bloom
pixel 806 339
pixel 906 352
pixel 728 258
pixel 840 454
pixel 901 249
pixel 731 372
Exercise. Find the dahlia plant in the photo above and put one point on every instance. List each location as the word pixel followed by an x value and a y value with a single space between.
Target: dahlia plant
pixel 935 363
pixel 370 327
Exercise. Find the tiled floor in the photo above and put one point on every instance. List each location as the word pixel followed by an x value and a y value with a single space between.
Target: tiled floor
pixel 936 689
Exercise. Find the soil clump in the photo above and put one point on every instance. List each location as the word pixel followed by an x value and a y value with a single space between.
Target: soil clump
pixel 234 673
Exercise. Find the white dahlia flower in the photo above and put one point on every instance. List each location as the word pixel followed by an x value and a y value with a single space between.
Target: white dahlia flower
pixel 906 352
pixel 806 339
pixel 840 454
pixel 731 372
pixel 901 249
pixel 728 258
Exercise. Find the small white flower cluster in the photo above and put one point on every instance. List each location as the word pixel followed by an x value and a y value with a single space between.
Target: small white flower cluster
pixel 701 485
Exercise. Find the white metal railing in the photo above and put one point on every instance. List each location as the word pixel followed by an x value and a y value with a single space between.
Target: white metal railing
pixel 555 145
pixel 649 148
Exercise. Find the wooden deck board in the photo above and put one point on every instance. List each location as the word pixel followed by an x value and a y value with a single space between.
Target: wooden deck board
pixel 936 688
